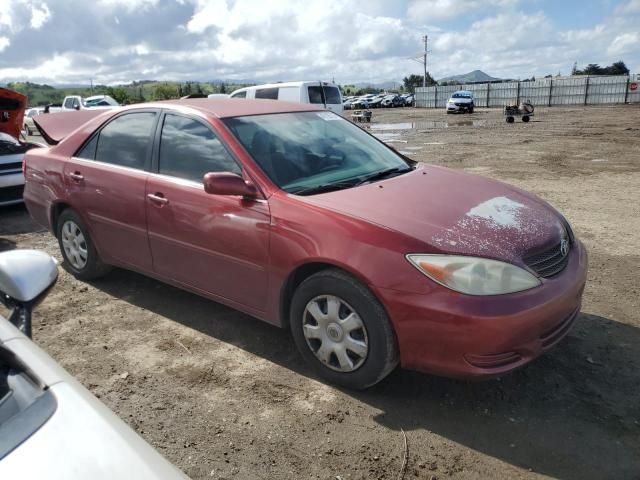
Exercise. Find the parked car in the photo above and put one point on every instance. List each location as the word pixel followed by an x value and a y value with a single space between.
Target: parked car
pixel 298 217
pixel 376 102
pixel 12 149
pixel 392 101
pixel 314 93
pixel 460 102
pixel 50 425
pixel 363 101
pixel 76 102
pixel 29 126
pixel 409 99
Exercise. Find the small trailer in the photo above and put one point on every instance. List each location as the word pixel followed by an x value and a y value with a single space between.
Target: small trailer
pixel 524 110
pixel 361 116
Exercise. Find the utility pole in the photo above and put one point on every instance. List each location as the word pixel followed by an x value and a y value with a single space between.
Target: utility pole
pixel 424 80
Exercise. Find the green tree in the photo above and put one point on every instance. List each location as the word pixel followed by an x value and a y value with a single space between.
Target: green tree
pixel 119 94
pixel 223 88
pixel 616 68
pixel 165 91
pixel 412 81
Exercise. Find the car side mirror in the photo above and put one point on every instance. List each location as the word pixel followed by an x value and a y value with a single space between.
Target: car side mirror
pixel 26 276
pixel 227 183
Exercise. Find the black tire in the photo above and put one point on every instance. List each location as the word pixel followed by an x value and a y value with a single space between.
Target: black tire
pixel 471 110
pixel 525 119
pixel 510 119
pixel 94 267
pixel 382 356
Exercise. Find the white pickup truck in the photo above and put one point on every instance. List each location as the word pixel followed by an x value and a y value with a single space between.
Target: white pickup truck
pixel 76 102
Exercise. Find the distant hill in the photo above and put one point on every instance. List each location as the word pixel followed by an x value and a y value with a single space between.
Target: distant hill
pixel 477 76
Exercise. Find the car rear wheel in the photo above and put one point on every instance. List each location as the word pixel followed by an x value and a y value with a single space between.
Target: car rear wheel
pixel 342 330
pixel 79 253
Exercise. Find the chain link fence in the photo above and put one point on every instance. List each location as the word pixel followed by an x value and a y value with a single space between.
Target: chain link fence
pixel 546 92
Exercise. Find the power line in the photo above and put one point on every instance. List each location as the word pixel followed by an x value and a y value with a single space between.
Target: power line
pixel 422 58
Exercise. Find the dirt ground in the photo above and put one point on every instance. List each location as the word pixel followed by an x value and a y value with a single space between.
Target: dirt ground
pixel 223 395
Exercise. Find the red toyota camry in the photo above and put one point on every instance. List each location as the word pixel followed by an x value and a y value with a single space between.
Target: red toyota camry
pixel 298 217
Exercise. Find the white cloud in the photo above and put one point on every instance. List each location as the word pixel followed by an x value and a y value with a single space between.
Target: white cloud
pixel 624 43
pixel 630 7
pixel 39 15
pixel 129 5
pixel 55 67
pixel 441 9
pixel 270 40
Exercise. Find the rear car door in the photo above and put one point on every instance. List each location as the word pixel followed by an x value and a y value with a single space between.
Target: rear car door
pixel 212 243
pixel 106 185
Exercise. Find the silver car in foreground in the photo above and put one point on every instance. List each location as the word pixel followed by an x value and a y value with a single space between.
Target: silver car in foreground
pixel 51 426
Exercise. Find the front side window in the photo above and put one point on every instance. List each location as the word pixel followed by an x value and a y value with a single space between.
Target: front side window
pixel 189 149
pixel 68 103
pixel 124 141
pixel 332 94
pixel 302 152
pixel 240 95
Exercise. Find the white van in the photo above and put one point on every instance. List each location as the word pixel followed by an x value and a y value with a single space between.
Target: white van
pixel 322 93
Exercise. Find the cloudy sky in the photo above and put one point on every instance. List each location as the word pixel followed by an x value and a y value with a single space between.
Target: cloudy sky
pixel 117 41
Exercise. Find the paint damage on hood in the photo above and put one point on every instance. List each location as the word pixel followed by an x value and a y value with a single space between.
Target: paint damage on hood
pixel 454 212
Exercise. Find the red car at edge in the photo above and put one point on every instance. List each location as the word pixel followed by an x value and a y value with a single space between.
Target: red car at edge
pixel 298 217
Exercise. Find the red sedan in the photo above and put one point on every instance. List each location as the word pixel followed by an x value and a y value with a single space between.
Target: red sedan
pixel 300 218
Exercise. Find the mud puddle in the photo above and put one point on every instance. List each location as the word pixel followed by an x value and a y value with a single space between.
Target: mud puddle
pixel 425 125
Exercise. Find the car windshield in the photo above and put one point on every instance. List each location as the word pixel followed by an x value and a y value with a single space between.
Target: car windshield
pixel 461 95
pixel 307 152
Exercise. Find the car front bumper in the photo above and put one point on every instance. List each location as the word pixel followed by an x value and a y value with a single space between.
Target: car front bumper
pixel 11 188
pixel 459 108
pixel 456 335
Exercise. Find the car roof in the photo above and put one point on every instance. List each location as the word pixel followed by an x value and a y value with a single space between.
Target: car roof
pixel 236 107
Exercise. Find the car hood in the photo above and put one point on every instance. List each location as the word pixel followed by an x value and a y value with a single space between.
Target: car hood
pixel 12 107
pixel 453 212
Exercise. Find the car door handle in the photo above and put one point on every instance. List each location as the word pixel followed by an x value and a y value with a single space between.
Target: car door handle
pixel 76 176
pixel 158 199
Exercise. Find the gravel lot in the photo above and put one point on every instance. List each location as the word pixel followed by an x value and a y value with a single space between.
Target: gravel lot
pixel 223 395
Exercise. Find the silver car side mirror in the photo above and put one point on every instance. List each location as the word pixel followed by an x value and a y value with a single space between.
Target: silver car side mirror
pixel 26 276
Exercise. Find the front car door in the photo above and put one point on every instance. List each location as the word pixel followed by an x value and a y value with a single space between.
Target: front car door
pixel 106 185
pixel 215 244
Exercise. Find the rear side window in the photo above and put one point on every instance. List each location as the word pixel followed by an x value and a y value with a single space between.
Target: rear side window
pixel 89 149
pixel 268 93
pixel 68 103
pixel 125 141
pixel 315 94
pixel 189 149
pixel 240 95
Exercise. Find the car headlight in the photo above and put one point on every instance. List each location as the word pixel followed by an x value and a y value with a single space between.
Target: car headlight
pixel 473 275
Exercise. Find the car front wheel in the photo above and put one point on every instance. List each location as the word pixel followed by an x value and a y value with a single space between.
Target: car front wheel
pixel 79 253
pixel 342 330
